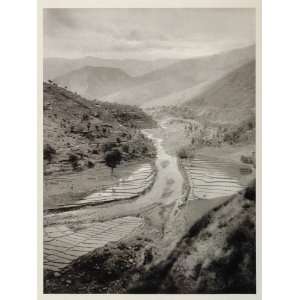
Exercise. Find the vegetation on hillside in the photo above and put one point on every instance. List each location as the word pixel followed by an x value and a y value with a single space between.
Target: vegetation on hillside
pixel 210 134
pixel 77 131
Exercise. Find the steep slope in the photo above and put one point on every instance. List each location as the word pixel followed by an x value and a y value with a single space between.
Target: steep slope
pixel 229 99
pixel 222 112
pixel 77 132
pixel 181 76
pixel 216 256
pixel 94 82
pixel 56 66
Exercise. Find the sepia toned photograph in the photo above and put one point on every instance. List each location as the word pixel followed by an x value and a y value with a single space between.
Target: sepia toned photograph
pixel 149 150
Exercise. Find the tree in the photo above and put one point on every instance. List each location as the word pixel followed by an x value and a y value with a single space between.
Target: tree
pixel 113 158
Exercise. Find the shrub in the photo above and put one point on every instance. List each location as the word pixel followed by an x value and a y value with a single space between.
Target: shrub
pixel 49 152
pixel 90 164
pixel 246 159
pixel 125 148
pixel 85 117
pixel 144 149
pixel 184 153
pixel 73 159
pixel 250 192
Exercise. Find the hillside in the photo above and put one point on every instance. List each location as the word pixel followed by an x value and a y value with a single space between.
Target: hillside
pixel 216 256
pixel 222 113
pixel 95 82
pixel 55 66
pixel 180 76
pixel 229 99
pixel 77 131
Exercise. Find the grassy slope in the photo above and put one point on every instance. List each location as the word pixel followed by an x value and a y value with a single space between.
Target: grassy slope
pixel 76 126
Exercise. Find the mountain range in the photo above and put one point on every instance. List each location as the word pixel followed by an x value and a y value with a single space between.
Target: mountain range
pixel 56 66
pixel 153 89
pixel 218 87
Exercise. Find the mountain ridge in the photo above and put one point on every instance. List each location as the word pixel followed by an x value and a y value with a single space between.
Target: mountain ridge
pixel 180 76
pixel 57 66
pixel 93 82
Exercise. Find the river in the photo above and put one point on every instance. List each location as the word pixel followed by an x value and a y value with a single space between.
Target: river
pixel 165 207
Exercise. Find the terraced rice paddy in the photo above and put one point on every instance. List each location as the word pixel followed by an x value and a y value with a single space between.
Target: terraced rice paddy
pixel 66 240
pixel 210 178
pixel 62 245
pixel 133 186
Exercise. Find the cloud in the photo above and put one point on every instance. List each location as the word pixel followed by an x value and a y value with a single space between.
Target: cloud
pixel 145 33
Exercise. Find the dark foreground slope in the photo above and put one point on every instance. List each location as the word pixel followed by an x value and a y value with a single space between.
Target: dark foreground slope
pixel 77 131
pixel 216 255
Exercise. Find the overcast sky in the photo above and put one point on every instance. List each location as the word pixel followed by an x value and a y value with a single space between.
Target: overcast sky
pixel 146 33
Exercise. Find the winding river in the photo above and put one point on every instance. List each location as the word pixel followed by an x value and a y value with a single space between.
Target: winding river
pixel 70 234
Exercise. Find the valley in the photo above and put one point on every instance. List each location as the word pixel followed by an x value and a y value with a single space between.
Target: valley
pixel 176 207
pixel 183 192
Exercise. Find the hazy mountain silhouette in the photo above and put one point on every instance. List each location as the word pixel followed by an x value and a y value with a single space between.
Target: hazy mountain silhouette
pixel 94 82
pixel 192 73
pixel 229 99
pixel 56 66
